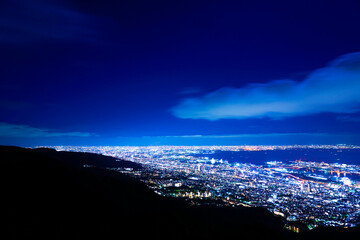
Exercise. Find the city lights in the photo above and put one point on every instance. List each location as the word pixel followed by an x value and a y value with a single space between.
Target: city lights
pixel 312 193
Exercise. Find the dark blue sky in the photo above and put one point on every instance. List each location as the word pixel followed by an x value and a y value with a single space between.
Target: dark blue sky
pixel 179 72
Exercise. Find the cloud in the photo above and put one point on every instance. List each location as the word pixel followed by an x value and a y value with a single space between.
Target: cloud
pixel 334 89
pixel 244 135
pixel 23 21
pixel 24 131
pixel 348 118
pixel 242 139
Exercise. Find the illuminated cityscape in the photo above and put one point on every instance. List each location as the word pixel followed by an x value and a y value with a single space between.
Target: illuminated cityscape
pixel 312 193
pixel 180 119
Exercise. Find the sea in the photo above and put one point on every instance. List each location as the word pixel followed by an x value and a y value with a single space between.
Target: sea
pixel 341 156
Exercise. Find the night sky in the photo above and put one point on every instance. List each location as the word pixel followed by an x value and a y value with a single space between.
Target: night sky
pixel 85 72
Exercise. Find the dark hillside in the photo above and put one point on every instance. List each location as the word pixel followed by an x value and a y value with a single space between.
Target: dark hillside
pixel 77 159
pixel 48 194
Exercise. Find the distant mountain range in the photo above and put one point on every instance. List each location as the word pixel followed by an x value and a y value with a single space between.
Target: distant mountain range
pixel 50 194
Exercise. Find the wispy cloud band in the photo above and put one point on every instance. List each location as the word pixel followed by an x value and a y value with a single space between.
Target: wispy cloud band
pixel 243 139
pixel 334 88
pixel 247 135
pixel 24 131
pixel 24 21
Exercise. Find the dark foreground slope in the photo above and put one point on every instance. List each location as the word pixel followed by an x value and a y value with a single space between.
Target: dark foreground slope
pixel 48 194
